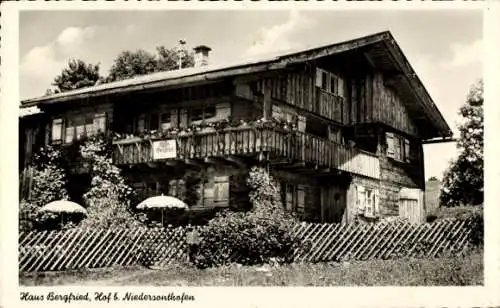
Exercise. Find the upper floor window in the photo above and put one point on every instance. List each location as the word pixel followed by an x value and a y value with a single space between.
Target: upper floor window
pixel 398 147
pixel 329 82
pixel 75 127
pixel 199 114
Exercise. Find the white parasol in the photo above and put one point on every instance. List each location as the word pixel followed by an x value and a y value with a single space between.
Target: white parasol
pixel 162 202
pixel 63 206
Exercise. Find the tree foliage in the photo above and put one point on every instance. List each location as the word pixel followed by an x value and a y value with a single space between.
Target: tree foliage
pixel 131 63
pixel 463 181
pixel 76 75
pixel 140 62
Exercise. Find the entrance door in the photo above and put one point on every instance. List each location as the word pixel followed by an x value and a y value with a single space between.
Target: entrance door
pixel 411 205
pixel 333 201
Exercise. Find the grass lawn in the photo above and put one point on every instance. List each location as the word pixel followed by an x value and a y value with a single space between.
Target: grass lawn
pixel 412 272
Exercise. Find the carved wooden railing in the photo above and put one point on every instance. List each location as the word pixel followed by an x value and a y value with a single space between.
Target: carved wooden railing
pixel 249 141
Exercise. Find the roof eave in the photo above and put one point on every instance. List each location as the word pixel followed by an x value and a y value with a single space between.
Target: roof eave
pixel 423 97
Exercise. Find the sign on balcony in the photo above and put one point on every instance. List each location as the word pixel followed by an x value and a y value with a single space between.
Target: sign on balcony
pixel 164 149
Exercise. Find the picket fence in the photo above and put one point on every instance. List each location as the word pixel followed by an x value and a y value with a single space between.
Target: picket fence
pixel 92 248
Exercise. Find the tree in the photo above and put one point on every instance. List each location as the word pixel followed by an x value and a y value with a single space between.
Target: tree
pixel 168 59
pixel 77 75
pixel 134 63
pixel 463 181
pixel 131 63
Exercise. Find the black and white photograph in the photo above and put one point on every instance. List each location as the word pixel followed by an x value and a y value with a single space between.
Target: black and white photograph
pixel 244 148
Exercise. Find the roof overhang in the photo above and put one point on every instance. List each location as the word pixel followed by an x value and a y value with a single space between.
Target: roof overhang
pixel 382 46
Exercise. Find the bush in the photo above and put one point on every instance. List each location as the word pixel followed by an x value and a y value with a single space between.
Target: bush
pixel 48 184
pixel 253 237
pixel 108 199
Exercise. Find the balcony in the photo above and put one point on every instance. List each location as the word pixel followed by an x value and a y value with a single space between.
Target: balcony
pixel 294 147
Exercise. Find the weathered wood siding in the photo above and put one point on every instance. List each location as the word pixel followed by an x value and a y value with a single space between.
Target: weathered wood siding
pixel 395 175
pixel 373 101
pixel 298 89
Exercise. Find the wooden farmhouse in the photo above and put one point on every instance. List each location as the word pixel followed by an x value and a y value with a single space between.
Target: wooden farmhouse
pixel 341 127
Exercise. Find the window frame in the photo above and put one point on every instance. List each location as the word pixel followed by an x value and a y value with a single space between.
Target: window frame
pixel 329 82
pixel 398 147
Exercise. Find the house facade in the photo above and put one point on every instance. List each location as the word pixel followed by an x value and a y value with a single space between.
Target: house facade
pixel 341 127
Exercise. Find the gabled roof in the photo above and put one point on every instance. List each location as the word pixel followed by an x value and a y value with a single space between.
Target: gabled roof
pixel 386 53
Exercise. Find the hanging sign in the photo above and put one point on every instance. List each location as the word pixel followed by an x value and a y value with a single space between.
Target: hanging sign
pixel 163 149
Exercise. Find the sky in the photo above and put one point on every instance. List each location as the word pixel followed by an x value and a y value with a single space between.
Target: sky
pixel 444 47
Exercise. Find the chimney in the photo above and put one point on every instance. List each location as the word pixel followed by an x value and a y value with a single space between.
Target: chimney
pixel 201 55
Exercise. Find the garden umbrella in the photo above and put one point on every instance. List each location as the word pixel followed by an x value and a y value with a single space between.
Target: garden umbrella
pixel 162 202
pixel 63 206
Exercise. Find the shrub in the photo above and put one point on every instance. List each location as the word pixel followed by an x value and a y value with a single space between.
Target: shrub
pixel 253 237
pixel 108 198
pixel 48 184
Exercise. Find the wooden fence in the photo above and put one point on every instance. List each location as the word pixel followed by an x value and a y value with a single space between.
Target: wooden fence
pixel 87 248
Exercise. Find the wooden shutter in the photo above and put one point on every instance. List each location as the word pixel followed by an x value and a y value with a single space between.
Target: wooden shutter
pixel 141 124
pixel 301 123
pixel 390 144
pixel 319 77
pixel 360 199
pixel 407 151
pixel 221 189
pixel 289 197
pixel 340 90
pixel 174 117
pixel 376 207
pixel 183 118
pixel 56 131
pixel 301 199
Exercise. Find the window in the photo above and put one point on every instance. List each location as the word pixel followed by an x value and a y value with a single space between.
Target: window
pixel 196 114
pixel 165 120
pixel 398 147
pixel 57 130
pixel 202 113
pixel 284 114
pixel 329 82
pixel 294 198
pixel 84 125
pixel 367 203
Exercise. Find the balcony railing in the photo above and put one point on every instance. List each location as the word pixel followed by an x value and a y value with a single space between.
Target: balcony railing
pixel 250 141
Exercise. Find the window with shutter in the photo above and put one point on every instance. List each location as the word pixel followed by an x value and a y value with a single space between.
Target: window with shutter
pixel 390 144
pixel 319 77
